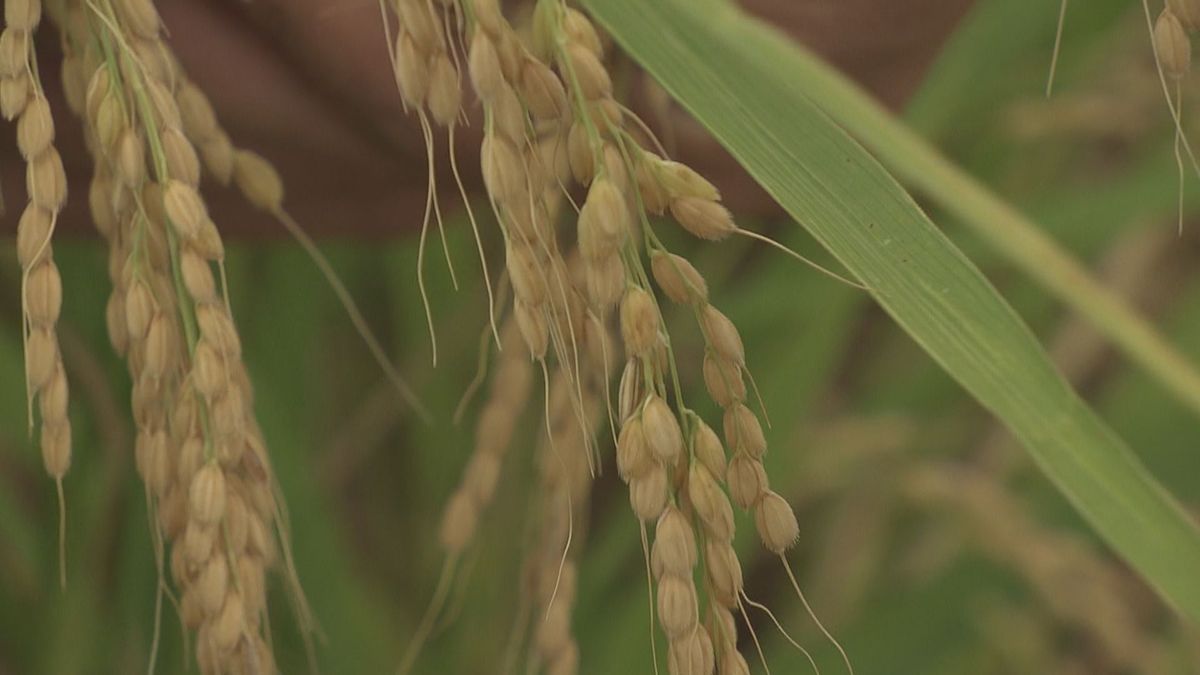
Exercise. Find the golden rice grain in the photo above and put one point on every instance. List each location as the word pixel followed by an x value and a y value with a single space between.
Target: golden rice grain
pixel 733 663
pixel 33 236
pixel 648 492
pixel 541 90
pixel 182 162
pixel 743 433
pixel 14 46
pixel 231 624
pixel 691 655
pixel 14 95
pixel 46 181
pixel 639 322
pixel 52 399
pixel 208 370
pixel 417 20
pixel 206 496
pixel 212 585
pixel 591 75
pixel 184 208
pixel 676 606
pixel 1172 45
pixel 534 328
pixel 35 128
pixel 218 154
pixel 747 480
pixel 412 70
pixel 502 171
pixel 139 16
pixel 508 115
pixel 445 92
pixel 633 457
pixel 139 309
pixel 605 282
pixel 258 181
pixel 108 120
pixel 663 435
pixel 483 64
pixel 74 83
pixel 654 197
pixel 487 13
pixel 158 354
pixel 776 522
pixel 703 218
pixel 198 541
pixel 677 278
pixel 527 279
pixel 724 571
pixel 56 449
pixel 228 414
pixel 680 180
pixel 707 448
pixel 674 549
pixel 579 153
pixel 22 15
pixel 710 503
pixel 723 380
pixel 43 295
pixel 603 220
pixel 130 159
pixel 197 276
pixel 41 356
pixel 580 31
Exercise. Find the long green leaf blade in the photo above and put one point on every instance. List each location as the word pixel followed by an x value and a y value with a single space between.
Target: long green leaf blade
pixel 1010 233
pixel 840 193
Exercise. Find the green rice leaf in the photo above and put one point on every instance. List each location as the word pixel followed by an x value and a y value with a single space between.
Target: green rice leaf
pixel 752 90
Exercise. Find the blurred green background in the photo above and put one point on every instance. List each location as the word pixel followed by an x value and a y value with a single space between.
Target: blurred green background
pixel 929 544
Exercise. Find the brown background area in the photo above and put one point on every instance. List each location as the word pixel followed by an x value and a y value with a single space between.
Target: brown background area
pixel 307 83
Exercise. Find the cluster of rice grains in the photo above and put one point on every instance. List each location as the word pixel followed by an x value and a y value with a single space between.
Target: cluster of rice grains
pixel 23 99
pixel 198 449
pixel 552 128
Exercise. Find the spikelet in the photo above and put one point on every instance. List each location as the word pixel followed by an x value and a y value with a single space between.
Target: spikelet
pixel 633 456
pixel 1172 45
pixel 678 279
pixel 776 522
pixel 639 322
pixel 677 606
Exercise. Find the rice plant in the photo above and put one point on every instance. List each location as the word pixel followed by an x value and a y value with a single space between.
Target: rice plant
pixel 535 371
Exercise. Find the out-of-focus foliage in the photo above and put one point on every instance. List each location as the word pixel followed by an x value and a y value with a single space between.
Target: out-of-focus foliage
pixel 929 544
